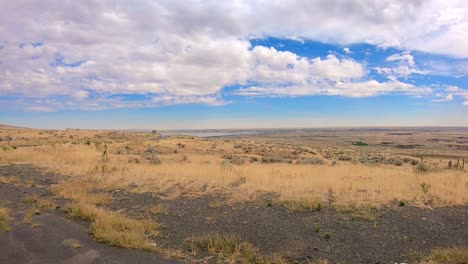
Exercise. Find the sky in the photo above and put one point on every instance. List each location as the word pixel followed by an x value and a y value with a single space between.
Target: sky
pixel 233 64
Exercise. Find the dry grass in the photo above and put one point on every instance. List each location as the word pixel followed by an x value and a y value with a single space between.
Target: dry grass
pixel 158 209
pixel 28 217
pixel 46 204
pixel 349 183
pixel 447 256
pixel 116 229
pixel 5 219
pixel 41 203
pixel 230 249
pixel 353 212
pixel 81 191
pixel 14 180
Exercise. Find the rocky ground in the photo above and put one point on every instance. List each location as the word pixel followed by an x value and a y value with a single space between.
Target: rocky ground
pixel 399 234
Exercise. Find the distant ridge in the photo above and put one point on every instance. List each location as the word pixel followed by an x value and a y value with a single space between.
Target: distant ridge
pixel 3 126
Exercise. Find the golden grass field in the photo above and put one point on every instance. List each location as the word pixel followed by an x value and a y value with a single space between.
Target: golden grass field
pixel 190 166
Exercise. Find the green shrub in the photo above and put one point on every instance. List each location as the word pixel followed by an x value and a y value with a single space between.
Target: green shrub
pixel 360 143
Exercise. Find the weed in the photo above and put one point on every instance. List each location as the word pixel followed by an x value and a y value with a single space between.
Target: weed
pixel 317 228
pixel 230 249
pixel 425 187
pixel 5 219
pixel 328 235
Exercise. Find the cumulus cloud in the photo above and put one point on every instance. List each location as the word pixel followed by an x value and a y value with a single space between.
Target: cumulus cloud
pixel 405 66
pixel 91 54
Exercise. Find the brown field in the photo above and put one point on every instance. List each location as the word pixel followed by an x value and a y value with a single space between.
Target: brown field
pixel 344 170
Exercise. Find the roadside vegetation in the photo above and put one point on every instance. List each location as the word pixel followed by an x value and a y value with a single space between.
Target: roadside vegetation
pixel 5 219
pixel 231 249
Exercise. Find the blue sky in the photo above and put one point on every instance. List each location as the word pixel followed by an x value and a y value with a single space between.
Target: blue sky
pixel 176 65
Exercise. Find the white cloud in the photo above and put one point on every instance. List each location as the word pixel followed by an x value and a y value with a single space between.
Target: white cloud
pixel 350 89
pixel 403 69
pixel 465 103
pixel 447 98
pixel 272 66
pixel 87 52
pixel 405 58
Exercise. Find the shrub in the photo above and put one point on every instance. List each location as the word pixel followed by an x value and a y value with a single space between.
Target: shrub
pixel 313 161
pixel 422 167
pixel 395 161
pixel 345 157
pixel 238 161
pixel 227 156
pixel 134 160
pixel 275 159
pixel 153 159
pixel 360 143
pixel 372 159
pixel 253 159
pixel 317 228
pixel 152 150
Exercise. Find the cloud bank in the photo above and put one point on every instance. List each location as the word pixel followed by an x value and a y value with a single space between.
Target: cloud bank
pixel 95 54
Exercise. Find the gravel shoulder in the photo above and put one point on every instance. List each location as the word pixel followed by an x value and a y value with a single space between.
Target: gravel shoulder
pixel 398 235
pixel 54 238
